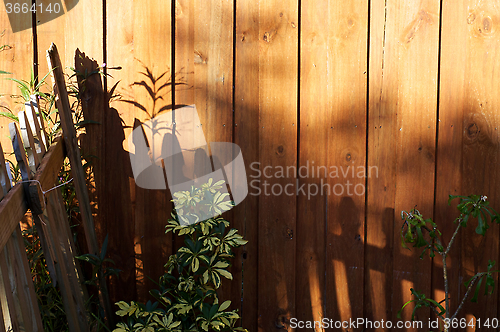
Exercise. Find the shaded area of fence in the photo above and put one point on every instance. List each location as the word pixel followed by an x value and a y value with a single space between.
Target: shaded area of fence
pixel 406 87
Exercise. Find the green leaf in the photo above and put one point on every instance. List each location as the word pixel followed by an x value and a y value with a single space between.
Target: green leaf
pixel 9 116
pixel 225 273
pixel 476 293
pixel 195 264
pixel 224 305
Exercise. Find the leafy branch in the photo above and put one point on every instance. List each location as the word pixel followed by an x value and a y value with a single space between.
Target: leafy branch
pixel 423 233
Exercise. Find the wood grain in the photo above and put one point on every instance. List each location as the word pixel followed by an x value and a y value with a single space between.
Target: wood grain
pixel 77 171
pixel 449 168
pixel 69 284
pixel 469 129
pixel 346 151
pixel 139 40
pixel 278 77
pixel 381 189
pixel 81 27
pixel 406 106
pixel 17 59
pixel 246 135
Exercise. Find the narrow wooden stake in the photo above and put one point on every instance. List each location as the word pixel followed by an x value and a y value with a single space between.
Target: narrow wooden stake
pixel 42 124
pixel 31 141
pixel 17 145
pixel 19 274
pixel 38 130
pixel 10 304
pixel 25 289
pixel 77 171
pixel 70 286
pixel 4 177
pixel 4 310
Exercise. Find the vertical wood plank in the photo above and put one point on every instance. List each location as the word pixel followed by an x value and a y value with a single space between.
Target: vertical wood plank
pixel 417 33
pixel 381 190
pixel 15 58
pixel 469 124
pixel 139 40
pixel 81 27
pixel 278 79
pixel 449 168
pixel 408 94
pixel 213 86
pixel 346 152
pixel 246 135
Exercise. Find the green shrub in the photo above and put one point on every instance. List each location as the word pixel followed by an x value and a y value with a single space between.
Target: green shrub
pixel 187 298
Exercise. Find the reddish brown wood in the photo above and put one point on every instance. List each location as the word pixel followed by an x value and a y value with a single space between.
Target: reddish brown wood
pixel 278 79
pixel 246 135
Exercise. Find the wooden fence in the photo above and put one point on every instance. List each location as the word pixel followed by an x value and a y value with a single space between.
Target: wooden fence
pixel 39 166
pixel 408 87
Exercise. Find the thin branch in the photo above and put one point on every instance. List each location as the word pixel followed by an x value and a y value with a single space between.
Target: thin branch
pixel 454 236
pixel 473 281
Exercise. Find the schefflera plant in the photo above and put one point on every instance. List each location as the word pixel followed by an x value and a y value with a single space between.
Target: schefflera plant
pixel 187 298
pixel 423 233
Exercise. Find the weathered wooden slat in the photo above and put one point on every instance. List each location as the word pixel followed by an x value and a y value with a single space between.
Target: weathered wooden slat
pixel 212 35
pixel 18 147
pixel 43 131
pixel 380 214
pixel 16 58
pixel 47 173
pixel 13 206
pixel 12 209
pixel 246 135
pixel 469 140
pixel 17 279
pixel 4 177
pixel 346 70
pixel 148 209
pixel 4 310
pixel 37 324
pixel 71 145
pixel 278 77
pixel 33 157
pixel 28 296
pixel 317 19
pixel 10 305
pixel 37 121
pixel 402 132
pixel 69 285
pixel 449 168
pixel 66 235
pixel 78 173
pixel 71 31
